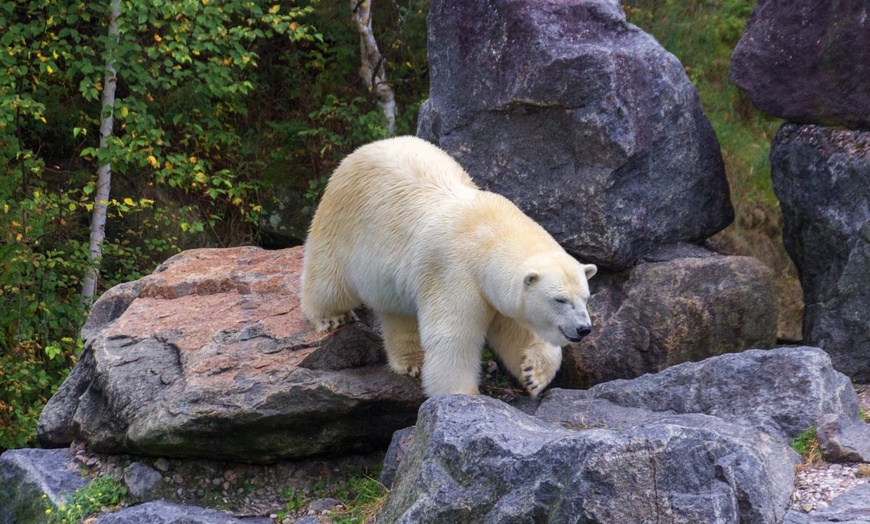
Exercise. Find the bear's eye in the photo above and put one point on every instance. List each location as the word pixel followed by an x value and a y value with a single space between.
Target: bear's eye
pixel 562 300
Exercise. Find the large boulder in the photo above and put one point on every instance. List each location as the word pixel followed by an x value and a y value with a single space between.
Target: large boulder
pixel 698 443
pixel 580 118
pixel 681 303
pixel 807 61
pixel 821 176
pixel 210 357
pixel 783 391
pixel 475 459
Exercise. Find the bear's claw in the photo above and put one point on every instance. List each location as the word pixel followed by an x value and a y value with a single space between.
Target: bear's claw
pixel 539 368
pixel 333 323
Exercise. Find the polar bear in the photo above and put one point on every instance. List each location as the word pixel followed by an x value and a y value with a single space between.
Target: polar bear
pixel 445 266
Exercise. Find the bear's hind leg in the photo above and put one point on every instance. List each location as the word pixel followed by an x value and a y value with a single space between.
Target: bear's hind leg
pixel 327 303
pixel 531 360
pixel 402 342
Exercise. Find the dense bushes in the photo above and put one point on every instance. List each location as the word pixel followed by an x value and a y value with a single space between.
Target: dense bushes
pixel 214 100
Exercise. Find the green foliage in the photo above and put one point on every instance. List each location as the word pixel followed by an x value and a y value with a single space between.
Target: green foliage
pixel 703 34
pixel 360 494
pixel 362 497
pixel 100 492
pixel 215 101
pixel 807 445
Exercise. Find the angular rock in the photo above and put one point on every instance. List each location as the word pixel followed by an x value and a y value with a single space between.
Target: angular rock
pixel 822 179
pixel 781 391
pixel 581 119
pixel 681 303
pixel 843 440
pixel 475 459
pixel 161 512
pixel 28 474
pixel 210 357
pixel 395 453
pixel 807 61
pixel 142 481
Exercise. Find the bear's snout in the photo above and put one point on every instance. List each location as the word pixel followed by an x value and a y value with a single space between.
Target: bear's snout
pixel 578 333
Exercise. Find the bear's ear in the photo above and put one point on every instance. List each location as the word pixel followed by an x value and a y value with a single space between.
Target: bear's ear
pixel 590 270
pixel 531 277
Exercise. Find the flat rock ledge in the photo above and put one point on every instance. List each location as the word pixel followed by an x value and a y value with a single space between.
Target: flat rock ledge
pixel 210 357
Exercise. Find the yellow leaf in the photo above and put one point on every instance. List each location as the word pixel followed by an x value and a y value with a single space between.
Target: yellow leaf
pixel 274 9
pixel 157 38
pixel 129 201
pixel 192 160
pixel 152 161
pixel 5 208
pixel 42 118
pixel 19 237
pixel 124 112
pixel 200 177
pixel 49 69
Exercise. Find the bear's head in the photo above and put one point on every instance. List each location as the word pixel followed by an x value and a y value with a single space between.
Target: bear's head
pixel 555 292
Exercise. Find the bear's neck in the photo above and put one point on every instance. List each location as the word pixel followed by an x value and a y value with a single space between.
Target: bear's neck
pixel 500 274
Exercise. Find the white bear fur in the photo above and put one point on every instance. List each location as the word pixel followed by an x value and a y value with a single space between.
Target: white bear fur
pixel 403 229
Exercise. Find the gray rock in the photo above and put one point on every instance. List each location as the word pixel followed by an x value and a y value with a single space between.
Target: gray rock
pixel 161 512
pixel 321 505
pixel 681 303
pixel 581 119
pixel 211 357
pixel 142 481
pixel 842 439
pixel 852 507
pixel 807 61
pixel 822 179
pixel 395 454
pixel 782 391
pixel 28 474
pixel 475 459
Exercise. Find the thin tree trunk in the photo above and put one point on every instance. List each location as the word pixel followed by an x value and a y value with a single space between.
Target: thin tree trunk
pixel 104 173
pixel 372 63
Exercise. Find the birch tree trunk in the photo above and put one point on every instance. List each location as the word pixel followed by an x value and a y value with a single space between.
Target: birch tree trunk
pixel 371 69
pixel 104 173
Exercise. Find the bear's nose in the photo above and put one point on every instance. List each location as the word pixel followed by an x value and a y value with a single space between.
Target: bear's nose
pixel 583 331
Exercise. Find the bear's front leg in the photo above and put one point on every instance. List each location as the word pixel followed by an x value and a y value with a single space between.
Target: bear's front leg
pixel 452 343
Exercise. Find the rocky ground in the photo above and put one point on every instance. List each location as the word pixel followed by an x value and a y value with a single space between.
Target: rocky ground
pixel 316 487
pixel 816 485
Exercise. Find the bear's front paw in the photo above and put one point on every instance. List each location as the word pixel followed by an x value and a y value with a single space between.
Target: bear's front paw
pixel 539 368
pixel 333 323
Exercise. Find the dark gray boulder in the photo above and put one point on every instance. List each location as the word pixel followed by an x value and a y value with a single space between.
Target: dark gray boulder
pixel 475 459
pixel 28 474
pixel 807 61
pixel 782 391
pixel 581 119
pixel 681 303
pixel 821 176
